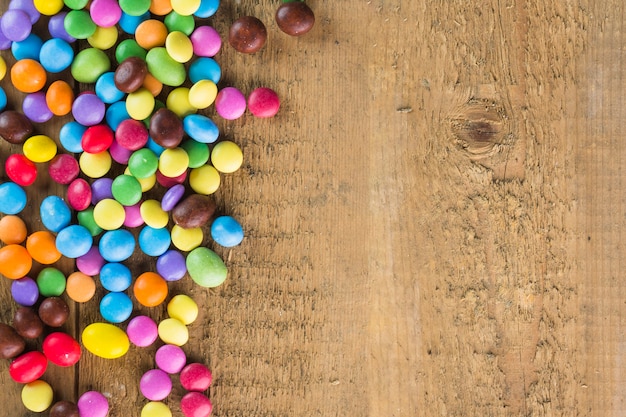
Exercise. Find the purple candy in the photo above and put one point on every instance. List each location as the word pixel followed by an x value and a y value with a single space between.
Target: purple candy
pixel 101 189
pixel 88 109
pixel 133 215
pixel 172 196
pixel 142 331
pixel 119 154
pixel 230 103
pixel 171 265
pixel 35 107
pixel 206 41
pixel 93 404
pixel 15 25
pixel 91 262
pixel 56 27
pixel 170 358
pixel 27 6
pixel 5 43
pixel 155 385
pixel 25 291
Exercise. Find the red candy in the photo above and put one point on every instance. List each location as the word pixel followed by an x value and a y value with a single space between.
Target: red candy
pixel 20 169
pixel 195 377
pixel 28 367
pixel 194 404
pixel 263 102
pixel 61 349
pixel 63 168
pixel 79 194
pixel 131 134
pixel 168 182
pixel 97 139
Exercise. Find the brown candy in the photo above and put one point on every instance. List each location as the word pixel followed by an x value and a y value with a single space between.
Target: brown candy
pixel 54 311
pixel 295 18
pixel 194 211
pixel 15 128
pixel 11 343
pixel 129 75
pixel 27 323
pixel 64 409
pixel 247 34
pixel 166 128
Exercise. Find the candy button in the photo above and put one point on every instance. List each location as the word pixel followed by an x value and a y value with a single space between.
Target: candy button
pixel 135 7
pixel 88 110
pixel 133 216
pixel 155 384
pixel 15 261
pixel 80 287
pixel 117 245
pixel 71 135
pixel 42 248
pixel 153 85
pixel 195 404
pixel 206 41
pixel 164 68
pixel 101 189
pixel 166 128
pixel 150 289
pixel 139 104
pixel 92 403
pixel 106 89
pixel 170 358
pixel 198 152
pixel 106 341
pixel 153 215
pixel 200 128
pixel 185 309
pixel 27 49
pixel 37 396
pixel 154 241
pixel 28 367
pixel 35 107
pixel 226 231
pixel 79 194
pixel 172 196
pixel 74 241
pixel 204 180
pixel 63 409
pixel 155 409
pixel 85 219
pixel 143 163
pixel 173 332
pixel 204 68
pixel 20 169
pixel 95 165
pixel 207 8
pixel 15 128
pixel 63 169
pixel 11 343
pixel 48 7
pixel 115 276
pixel 142 331
pixel 206 268
pixel 97 138
pixel 56 55
pixel 187 239
pixel 247 34
pixel 3 99
pixel 185 7
pixel 160 7
pixel 173 162
pixel 119 154
pixel 15 25
pixel 131 134
pixel 78 24
pixel 195 377
pixel 12 230
pixel 105 13
pixel 129 48
pixel 263 102
pixel 51 282
pixel 226 157
pixel 146 183
pixel 151 33
pixel 126 190
pixel 130 74
pixel 104 37
pixel 152 145
pixel 176 22
pixel 91 262
pixel 3 68
pixel 178 102
pixel 230 103
pixel 25 291
pixel 116 307
pixel 171 265
pixel 27 323
pixel 12 198
pixel 61 349
pixel 28 7
pixel 56 27
pixel 76 4
pixel 202 94
pixel 89 64
pixel 55 213
pixel 169 182
pixel 59 98
pixel 179 46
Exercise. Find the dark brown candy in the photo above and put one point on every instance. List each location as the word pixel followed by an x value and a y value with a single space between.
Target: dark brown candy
pixel 64 409
pixel 15 128
pixel 11 343
pixel 247 34
pixel 295 18
pixel 27 323
pixel 54 311
pixel 166 128
pixel 129 75
pixel 194 211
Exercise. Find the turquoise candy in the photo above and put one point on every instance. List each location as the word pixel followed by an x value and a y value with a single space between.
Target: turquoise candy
pixel 89 64
pixel 74 241
pixel 200 128
pixel 13 198
pixel 163 67
pixel 205 267
pixel 55 213
pixel 78 24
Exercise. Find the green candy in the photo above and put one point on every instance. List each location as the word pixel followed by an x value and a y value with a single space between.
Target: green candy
pixel 134 7
pixel 163 67
pixel 179 23
pixel 51 282
pixel 86 219
pixel 126 190
pixel 205 267
pixel 78 24
pixel 76 4
pixel 198 152
pixel 128 48
pixel 143 163
pixel 89 64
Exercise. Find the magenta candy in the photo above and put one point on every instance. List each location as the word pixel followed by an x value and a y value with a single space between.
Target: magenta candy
pixel 195 404
pixel 206 41
pixel 230 103
pixel 131 134
pixel 28 367
pixel 20 169
pixel 170 358
pixel 155 385
pixel 88 109
pixel 133 215
pixel 35 107
pixel 105 13
pixel 263 102
pixel 172 196
pixel 63 168
pixel 196 377
pixel 97 138
pixel 142 331
pixel 93 404
pixel 79 194
pixel 61 349
pixel 169 182
pixel 91 262
pixel 119 154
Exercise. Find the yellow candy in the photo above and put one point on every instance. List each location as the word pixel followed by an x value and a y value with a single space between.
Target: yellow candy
pixel 179 47
pixel 204 180
pixel 48 7
pixel 140 103
pixel 95 165
pixel 105 340
pixel 3 68
pixel 173 331
pixel 153 215
pixel 146 183
pixel 39 148
pixel 227 157
pixel 103 38
pixel 186 239
pixel 173 162
pixel 109 214
pixel 185 7
pixel 202 94
pixel 156 409
pixel 183 308
pixel 37 396
pixel 178 102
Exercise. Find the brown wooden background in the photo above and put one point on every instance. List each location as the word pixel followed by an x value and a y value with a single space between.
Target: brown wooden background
pixel 435 220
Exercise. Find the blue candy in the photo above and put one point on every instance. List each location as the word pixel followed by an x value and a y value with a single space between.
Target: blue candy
pixel 129 23
pixel 116 245
pixel 12 198
pixel 74 241
pixel 226 231
pixel 3 99
pixel 154 147
pixel 56 55
pixel 207 8
pixel 28 48
pixel 115 276
pixel 115 114
pixel 116 307
pixel 55 213
pixel 154 242
pixel 106 89
pixel 205 68
pixel 201 128
pixel 71 135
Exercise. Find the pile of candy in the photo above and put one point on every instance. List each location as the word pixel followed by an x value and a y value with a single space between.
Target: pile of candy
pixel 143 116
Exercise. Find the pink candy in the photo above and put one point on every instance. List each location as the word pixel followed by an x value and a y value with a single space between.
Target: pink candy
pixel 263 102
pixel 194 404
pixel 206 41
pixel 155 385
pixel 105 13
pixel 131 134
pixel 170 358
pixel 63 168
pixel 230 103
pixel 93 404
pixel 79 194
pixel 195 377
pixel 142 331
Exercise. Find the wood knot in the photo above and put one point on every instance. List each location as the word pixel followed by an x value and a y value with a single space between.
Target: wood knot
pixel 479 127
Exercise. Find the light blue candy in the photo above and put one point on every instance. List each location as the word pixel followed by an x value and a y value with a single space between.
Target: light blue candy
pixel 12 198
pixel 106 89
pixel 116 307
pixel 129 23
pixel 204 68
pixel 207 8
pixel 226 231
pixel 154 242
pixel 28 48
pixel 201 128
pixel 115 114
pixel 56 55
pixel 74 241
pixel 116 245
pixel 55 213
pixel 115 276
pixel 154 147
pixel 71 135
pixel 3 99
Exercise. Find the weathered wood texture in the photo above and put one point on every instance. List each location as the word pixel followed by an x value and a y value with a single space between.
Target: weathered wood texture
pixel 434 220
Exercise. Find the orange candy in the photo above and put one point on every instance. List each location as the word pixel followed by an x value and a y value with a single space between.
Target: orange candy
pixel 28 76
pixel 42 247
pixel 59 98
pixel 151 33
pixel 150 289
pixel 160 7
pixel 80 287
pixel 152 84
pixel 12 230
pixel 15 261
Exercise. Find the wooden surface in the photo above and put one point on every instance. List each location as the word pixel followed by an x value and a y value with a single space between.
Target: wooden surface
pixel 435 220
